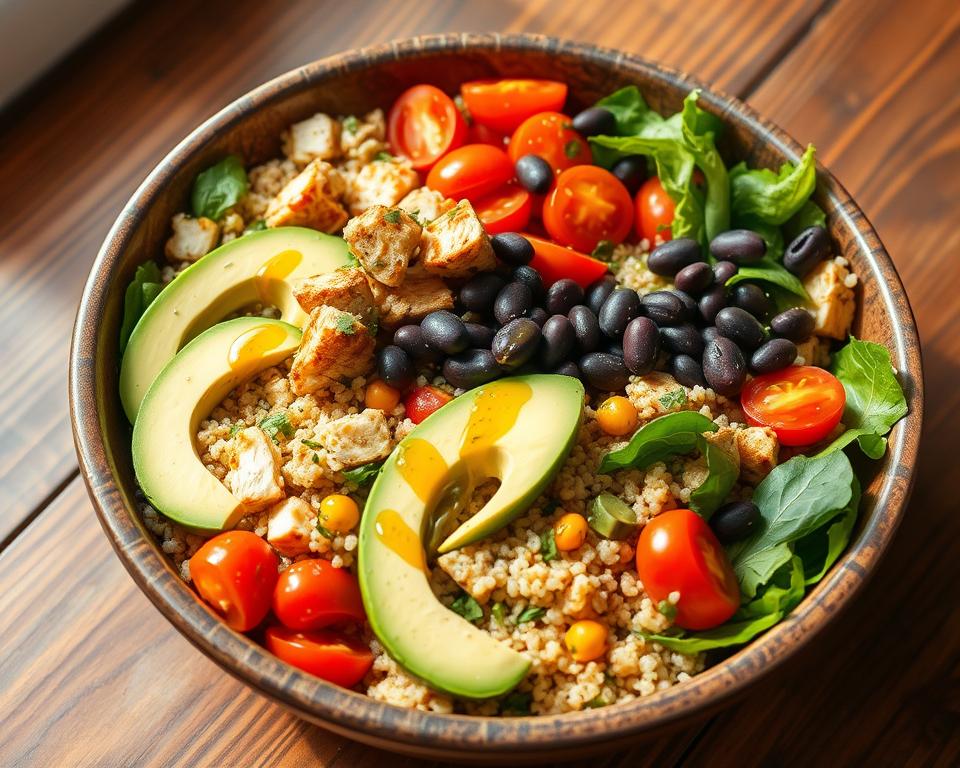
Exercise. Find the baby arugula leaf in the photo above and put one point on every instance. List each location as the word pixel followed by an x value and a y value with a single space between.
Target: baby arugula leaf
pixel 658 440
pixel 218 188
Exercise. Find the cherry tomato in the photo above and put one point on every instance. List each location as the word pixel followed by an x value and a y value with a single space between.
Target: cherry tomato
pixel 312 594
pixel 504 104
pixel 587 205
pixel 424 124
pixel 654 211
pixel 481 134
pixel 677 552
pixel 506 210
pixel 423 401
pixel 235 572
pixel 550 135
pixel 329 655
pixel 802 404
pixel 554 262
pixel 471 172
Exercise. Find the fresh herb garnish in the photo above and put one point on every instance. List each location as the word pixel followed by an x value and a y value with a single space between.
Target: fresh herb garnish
pixel 218 188
pixel 277 424
pixel 668 609
pixel 392 216
pixel 603 250
pixel 346 324
pixel 548 545
pixel 572 148
pixel 499 613
pixel 384 157
pixel 676 398
pixel 364 474
pixel 143 289
pixel 258 226
pixel 315 458
pixel 530 613
pixel 326 533
pixel 467 607
pixel 311 443
pixel 236 427
pixel 516 703
pixel 350 124
pixel 605 698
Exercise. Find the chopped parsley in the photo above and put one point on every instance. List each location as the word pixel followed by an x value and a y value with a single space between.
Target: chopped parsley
pixel 234 428
pixel 668 609
pixel 676 398
pixel 346 323
pixel 603 251
pixel 384 157
pixel 354 261
pixel 325 532
pixel 499 612
pixel 516 703
pixel 364 474
pixel 571 149
pixel 415 215
pixel 350 124
pixel 258 226
pixel 467 607
pixel 315 459
pixel 393 216
pixel 605 698
pixel 277 424
pixel 531 613
pixel 548 545
pixel 310 443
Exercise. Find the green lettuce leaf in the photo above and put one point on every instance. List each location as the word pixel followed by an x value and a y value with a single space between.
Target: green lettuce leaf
pixel 722 474
pixel 809 215
pixel 218 188
pixel 143 289
pixel 658 440
pixel 772 197
pixel 770 269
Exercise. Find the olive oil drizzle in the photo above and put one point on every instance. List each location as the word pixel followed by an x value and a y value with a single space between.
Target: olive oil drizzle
pixel 252 346
pixel 396 535
pixel 276 269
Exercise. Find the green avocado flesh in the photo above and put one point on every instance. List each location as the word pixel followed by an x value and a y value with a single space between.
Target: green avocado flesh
pixel 259 267
pixel 190 386
pixel 518 430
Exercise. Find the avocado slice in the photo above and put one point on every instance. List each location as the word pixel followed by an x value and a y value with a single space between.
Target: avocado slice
pixel 188 388
pixel 260 266
pixel 519 430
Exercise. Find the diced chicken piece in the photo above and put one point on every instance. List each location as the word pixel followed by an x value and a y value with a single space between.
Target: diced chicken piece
pixel 289 525
pixel 412 301
pixel 456 244
pixel 311 199
pixel 426 204
pixel 382 182
pixel 759 451
pixel 316 137
pixel 356 439
pixel 814 351
pixel 345 288
pixel 335 345
pixel 192 238
pixel 362 138
pixel 384 240
pixel 830 286
pixel 254 476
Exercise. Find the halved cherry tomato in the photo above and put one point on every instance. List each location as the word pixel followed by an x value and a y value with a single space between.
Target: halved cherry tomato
pixel 332 656
pixel 554 262
pixel 423 401
pixel 802 404
pixel 587 205
pixel 551 136
pixel 424 124
pixel 312 594
pixel 655 210
pixel 481 134
pixel 235 572
pixel 471 172
pixel 504 104
pixel 506 210
pixel 677 552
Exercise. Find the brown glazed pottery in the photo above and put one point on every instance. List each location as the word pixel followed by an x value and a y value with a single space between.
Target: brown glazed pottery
pixel 353 83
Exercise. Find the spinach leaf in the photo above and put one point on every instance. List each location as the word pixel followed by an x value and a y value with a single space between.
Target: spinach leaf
pixel 875 401
pixel 362 475
pixel 467 607
pixel 722 474
pixel 218 188
pixel 530 613
pixel 820 549
pixel 548 545
pixel 516 703
pixel 658 440
pixel 770 268
pixel 772 197
pixel 143 289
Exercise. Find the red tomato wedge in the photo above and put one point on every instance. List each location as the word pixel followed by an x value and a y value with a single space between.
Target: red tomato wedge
pixel 655 209
pixel 329 655
pixel 481 134
pixel 551 136
pixel 424 124
pixel 312 594
pixel 423 401
pixel 802 404
pixel 506 210
pixel 471 172
pixel 677 552
pixel 587 205
pixel 503 104
pixel 554 262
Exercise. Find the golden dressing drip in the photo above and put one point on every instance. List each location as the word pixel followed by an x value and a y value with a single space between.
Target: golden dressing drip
pixel 275 269
pixel 399 537
pixel 494 413
pixel 422 466
pixel 252 346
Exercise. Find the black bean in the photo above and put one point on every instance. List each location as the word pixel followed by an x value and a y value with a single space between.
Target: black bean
pixel 481 336
pixel 595 121
pixel 691 311
pixel 735 521
pixel 724 367
pixel 713 300
pixel 569 368
pixel 538 315
pixel 670 257
pixel 687 371
pixel 586 328
pixel 752 298
pixel 598 291
pixel 795 324
pixel 682 339
pixel 514 300
pixel 723 271
pixel 395 367
pixel 694 278
pixel 619 309
pixel 604 371
pixel 515 343
pixel 709 334
pixel 478 293
pixel 741 246
pixel 444 332
pixel 613 347
pixel 512 248
pixel 807 250
pixel 531 278
pixel 557 343
pixel 641 345
pixel 471 368
pixel 775 355
pixel 534 174
pixel 410 339
pixel 663 307
pixel 562 295
pixel 632 171
pixel 739 326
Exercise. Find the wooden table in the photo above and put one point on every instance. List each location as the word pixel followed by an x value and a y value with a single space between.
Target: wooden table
pixel 91 674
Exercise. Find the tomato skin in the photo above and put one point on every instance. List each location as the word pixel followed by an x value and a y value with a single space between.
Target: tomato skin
pixel 423 401
pixel 554 262
pixel 424 124
pixel 312 594
pixel 235 573
pixel 677 551
pixel 481 134
pixel 329 655
pixel 505 210
pixel 471 171
pixel 551 136
pixel 588 204
pixel 503 104
pixel 802 404
pixel 655 210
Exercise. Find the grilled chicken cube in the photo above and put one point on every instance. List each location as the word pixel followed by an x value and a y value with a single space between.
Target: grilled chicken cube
pixel 311 199
pixel 830 287
pixel 384 240
pixel 426 204
pixel 192 238
pixel 254 475
pixel 289 526
pixel 345 288
pixel 336 345
pixel 317 137
pixel 410 302
pixel 456 244
pixel 356 439
pixel 759 450
pixel 382 182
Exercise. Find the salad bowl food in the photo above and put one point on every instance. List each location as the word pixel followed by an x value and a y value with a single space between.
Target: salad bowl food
pixel 517 426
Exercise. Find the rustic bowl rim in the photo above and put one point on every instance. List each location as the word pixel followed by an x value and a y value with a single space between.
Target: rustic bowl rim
pixel 347 712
